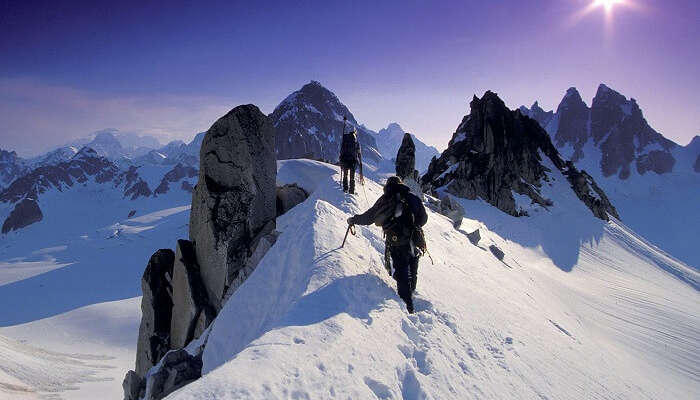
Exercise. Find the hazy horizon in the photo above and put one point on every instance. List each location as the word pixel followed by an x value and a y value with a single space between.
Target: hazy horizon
pixel 170 71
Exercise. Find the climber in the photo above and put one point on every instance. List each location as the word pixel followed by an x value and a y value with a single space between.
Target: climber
pixel 350 158
pixel 401 215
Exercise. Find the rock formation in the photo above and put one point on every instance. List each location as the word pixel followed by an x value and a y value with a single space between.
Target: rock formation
pixel 232 224
pixel 25 213
pixel 289 196
pixel 389 141
pixel 176 174
pixel 233 205
pixel 191 310
pixel 406 158
pixel 309 124
pixel 156 313
pixel 496 152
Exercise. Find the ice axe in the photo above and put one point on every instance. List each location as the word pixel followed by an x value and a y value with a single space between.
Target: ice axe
pixel 351 229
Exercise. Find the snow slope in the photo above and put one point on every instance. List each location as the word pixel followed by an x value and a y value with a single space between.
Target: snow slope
pixel 70 289
pixel 578 308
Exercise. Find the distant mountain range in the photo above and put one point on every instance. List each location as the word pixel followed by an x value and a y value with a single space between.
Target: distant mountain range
pixel 652 181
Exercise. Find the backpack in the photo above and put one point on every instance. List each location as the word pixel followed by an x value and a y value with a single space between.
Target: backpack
pixel 348 148
pixel 405 225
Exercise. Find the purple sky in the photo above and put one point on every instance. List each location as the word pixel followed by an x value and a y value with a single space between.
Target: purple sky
pixel 167 70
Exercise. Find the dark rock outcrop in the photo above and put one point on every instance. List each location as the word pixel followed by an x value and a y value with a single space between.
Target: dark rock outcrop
pixel 406 158
pixel 496 152
pixel 657 161
pixel 389 141
pixel 176 174
pixel 572 127
pixel 25 213
pixel 450 208
pixel 191 310
pixel 617 128
pixel 156 315
pixel 309 124
pixel 233 205
pixel 538 114
pixel 232 224
pixel 474 237
pixel 177 369
pixel 11 167
pixel 696 166
pixel 289 196
pixel 497 252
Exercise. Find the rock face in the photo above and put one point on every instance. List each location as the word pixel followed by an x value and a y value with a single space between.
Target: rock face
pixel 178 173
pixel 451 209
pixel 309 124
pixel 233 205
pixel 406 158
pixel 25 213
pixel 390 139
pixel 156 310
pixel 496 152
pixel 572 128
pixel 191 310
pixel 11 167
pixel 232 223
pixel 177 369
pixel 289 196
pixel 538 114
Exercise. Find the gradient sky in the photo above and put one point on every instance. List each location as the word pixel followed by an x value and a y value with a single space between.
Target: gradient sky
pixel 171 68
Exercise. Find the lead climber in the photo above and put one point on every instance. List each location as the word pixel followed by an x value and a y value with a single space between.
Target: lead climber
pixel 350 159
pixel 401 215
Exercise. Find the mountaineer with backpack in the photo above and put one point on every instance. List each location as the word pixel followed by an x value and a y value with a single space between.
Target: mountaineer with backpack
pixel 350 158
pixel 401 215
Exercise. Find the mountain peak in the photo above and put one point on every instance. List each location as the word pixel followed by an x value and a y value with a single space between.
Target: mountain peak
pixel 85 152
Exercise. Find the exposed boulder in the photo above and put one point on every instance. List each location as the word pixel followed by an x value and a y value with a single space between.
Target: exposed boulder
pixel 191 313
pixel 233 204
pixel 451 208
pixel 497 252
pixel 289 196
pixel 474 237
pixel 495 153
pixel 25 213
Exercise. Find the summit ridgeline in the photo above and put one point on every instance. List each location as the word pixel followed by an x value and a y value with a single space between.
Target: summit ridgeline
pixel 496 152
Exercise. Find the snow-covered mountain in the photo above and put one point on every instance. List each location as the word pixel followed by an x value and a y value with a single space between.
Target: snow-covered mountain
pixel 113 144
pixel 309 124
pixel 389 140
pixel 22 202
pixel 651 180
pixel 508 160
pixel 620 324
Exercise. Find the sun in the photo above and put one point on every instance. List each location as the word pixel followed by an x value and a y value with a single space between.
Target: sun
pixel 607 4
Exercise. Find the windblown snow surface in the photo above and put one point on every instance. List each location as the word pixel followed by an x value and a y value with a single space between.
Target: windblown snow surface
pixel 578 308
pixel 70 287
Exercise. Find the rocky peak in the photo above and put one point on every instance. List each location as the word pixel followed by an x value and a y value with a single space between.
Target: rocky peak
pixel 496 152
pixel 309 124
pixel 618 127
pixel 538 114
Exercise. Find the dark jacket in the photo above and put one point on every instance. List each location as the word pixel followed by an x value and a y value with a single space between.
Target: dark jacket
pixel 382 209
